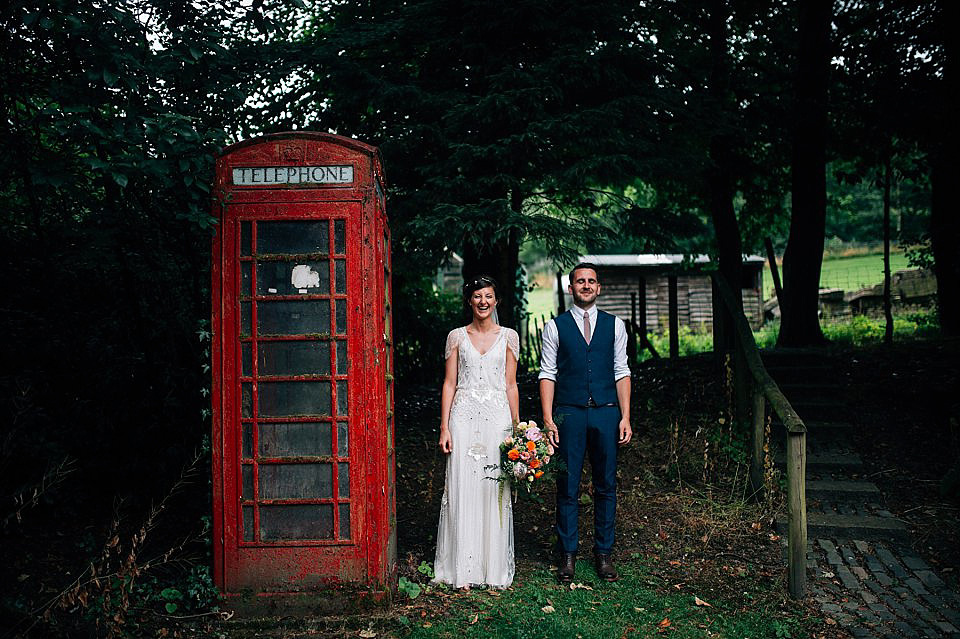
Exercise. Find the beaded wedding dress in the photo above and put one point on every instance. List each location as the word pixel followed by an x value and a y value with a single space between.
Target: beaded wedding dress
pixel 475 535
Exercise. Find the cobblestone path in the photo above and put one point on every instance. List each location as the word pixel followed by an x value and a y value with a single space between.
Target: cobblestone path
pixel 861 570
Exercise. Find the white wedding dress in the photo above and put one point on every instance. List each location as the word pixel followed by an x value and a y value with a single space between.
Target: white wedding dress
pixel 475 535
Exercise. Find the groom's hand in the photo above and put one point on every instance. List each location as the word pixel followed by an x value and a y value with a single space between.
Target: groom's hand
pixel 553 436
pixel 626 433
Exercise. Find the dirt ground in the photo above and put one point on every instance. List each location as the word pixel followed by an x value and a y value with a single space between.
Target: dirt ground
pixel 682 506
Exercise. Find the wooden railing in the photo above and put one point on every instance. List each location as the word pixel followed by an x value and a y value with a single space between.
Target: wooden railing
pixel 764 389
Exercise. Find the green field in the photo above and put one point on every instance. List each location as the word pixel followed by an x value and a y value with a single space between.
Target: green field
pixel 848 273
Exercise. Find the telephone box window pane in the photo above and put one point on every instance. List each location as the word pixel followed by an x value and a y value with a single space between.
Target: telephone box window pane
pixel 293 278
pixel 245 319
pixel 344 521
pixel 293 358
pixel 339 237
pixel 343 480
pixel 246 485
pixel 248 523
pixel 296 481
pixel 341 357
pixel 295 440
pixel 246 358
pixel 293 318
pixel 288 399
pixel 340 267
pixel 247 441
pixel 342 398
pixel 294 522
pixel 246 399
pixel 245 269
pixel 245 236
pixel 293 238
pixel 343 439
pixel 341 317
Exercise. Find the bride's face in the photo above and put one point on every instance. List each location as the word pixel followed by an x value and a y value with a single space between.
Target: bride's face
pixel 482 302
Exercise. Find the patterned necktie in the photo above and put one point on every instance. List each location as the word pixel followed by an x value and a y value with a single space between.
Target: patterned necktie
pixel 586 327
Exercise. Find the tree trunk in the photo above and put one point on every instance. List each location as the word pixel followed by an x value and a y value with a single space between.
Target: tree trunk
pixel 803 257
pixel 500 261
pixel 944 217
pixel 887 302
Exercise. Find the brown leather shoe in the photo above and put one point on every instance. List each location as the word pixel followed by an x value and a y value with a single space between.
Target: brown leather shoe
pixel 566 567
pixel 605 569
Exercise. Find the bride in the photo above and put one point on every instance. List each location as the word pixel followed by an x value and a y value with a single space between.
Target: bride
pixel 479 404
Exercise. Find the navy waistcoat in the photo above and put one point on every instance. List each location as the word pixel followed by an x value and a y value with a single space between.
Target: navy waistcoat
pixel 585 371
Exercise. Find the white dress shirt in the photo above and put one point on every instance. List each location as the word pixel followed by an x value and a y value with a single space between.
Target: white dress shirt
pixel 551 340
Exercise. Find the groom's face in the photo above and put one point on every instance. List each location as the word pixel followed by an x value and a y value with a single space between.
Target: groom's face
pixel 584 286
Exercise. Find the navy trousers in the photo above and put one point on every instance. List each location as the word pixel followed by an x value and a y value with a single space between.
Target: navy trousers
pixel 593 432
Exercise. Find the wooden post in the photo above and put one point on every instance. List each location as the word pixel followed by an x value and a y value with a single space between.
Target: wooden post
pixel 775 273
pixel 674 313
pixel 797 513
pixel 561 301
pixel 757 441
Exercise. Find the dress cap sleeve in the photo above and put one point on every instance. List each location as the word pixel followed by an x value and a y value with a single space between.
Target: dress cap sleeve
pixel 453 343
pixel 513 341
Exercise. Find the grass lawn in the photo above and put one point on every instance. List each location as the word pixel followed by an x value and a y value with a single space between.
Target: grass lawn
pixel 848 273
pixel 639 605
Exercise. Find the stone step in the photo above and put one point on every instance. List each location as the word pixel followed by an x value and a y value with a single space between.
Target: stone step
pixel 799 374
pixel 828 462
pixel 798 391
pixel 867 528
pixel 843 490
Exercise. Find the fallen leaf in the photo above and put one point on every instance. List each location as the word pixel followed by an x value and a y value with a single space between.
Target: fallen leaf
pixel 548 609
pixel 639 609
pixel 427 624
pixel 756 525
pixel 704 539
pixel 700 602
pixel 830 621
pixel 664 624
pixel 827 574
pixel 368 634
pixel 575 586
pixel 476 617
pixel 674 562
pixel 678 586
pixel 774 537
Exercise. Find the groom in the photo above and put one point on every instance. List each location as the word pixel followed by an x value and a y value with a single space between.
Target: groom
pixel 585 397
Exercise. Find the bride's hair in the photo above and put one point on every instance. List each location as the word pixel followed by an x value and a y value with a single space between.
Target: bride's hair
pixel 481 281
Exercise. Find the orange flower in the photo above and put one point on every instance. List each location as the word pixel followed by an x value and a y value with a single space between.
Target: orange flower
pixel 531 446
pixel 534 463
pixel 538 474
pixel 513 454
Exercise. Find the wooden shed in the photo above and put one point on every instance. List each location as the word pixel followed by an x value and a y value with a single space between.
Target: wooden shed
pixel 648 276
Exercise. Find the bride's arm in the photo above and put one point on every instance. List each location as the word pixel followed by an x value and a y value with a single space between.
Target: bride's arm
pixel 513 395
pixel 446 400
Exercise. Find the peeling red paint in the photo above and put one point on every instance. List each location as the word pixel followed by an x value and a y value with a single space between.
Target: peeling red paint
pixel 282 520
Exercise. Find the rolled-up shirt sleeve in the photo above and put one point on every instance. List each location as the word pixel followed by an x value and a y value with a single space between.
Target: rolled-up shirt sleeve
pixel 620 367
pixel 548 353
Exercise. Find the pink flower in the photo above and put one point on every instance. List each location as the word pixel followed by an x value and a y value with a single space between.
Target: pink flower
pixel 533 434
pixel 525 455
pixel 550 449
pixel 546 460
pixel 508 440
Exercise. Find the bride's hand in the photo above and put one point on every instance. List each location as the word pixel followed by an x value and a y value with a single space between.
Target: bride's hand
pixel 446 442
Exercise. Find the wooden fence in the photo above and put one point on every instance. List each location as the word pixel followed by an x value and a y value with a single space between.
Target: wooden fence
pixel 764 389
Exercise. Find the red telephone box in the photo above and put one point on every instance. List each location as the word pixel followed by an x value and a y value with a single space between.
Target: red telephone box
pixel 303 448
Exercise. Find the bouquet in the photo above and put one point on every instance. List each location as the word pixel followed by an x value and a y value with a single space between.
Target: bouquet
pixel 526 458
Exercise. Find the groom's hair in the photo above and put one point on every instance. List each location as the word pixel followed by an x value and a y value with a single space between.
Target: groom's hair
pixel 589 265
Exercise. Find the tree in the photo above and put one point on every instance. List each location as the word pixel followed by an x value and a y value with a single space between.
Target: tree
pixel 800 324
pixel 498 121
